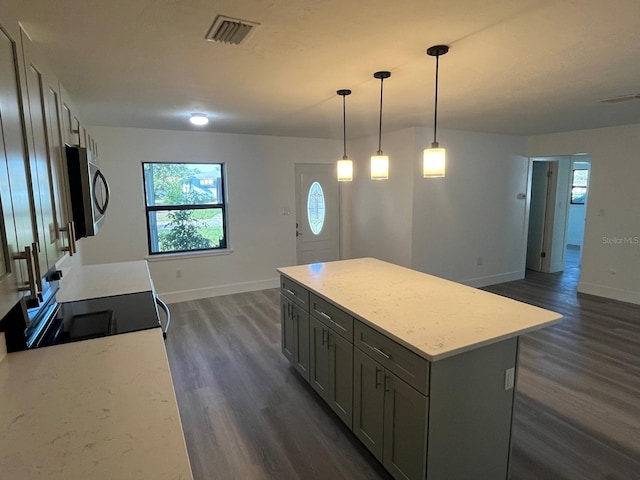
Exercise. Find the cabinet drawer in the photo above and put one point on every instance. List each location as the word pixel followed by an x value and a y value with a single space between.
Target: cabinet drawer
pixel 410 367
pixel 295 292
pixel 339 320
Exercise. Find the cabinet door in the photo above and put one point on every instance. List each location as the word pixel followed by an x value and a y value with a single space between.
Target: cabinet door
pixel 15 225
pixel 301 343
pixel 45 228
pixel 61 202
pixel 319 358
pixel 287 328
pixel 341 376
pixel 368 401
pixel 405 429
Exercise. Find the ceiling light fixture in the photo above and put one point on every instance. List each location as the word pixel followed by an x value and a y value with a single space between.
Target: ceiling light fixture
pixel 345 166
pixel 199 119
pixel 434 158
pixel 380 161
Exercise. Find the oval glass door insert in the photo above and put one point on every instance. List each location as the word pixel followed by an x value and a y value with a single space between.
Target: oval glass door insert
pixel 315 208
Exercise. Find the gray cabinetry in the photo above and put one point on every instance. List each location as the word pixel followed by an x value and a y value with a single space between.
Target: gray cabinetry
pixel 319 345
pixel 405 429
pixel 319 358
pixel 16 234
pixel 332 368
pixel 368 401
pixel 295 335
pixel 390 418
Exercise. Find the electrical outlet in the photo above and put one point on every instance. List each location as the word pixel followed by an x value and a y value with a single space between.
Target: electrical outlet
pixel 178 273
pixel 509 378
pixel 479 261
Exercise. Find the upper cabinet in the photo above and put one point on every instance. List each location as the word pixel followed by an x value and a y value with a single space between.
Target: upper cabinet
pixel 40 163
pixel 17 273
pixel 37 118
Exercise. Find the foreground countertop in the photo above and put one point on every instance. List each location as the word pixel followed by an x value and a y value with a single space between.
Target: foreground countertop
pixel 105 280
pixel 97 409
pixel 433 317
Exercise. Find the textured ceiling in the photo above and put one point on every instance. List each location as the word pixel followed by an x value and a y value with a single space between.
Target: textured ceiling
pixel 515 66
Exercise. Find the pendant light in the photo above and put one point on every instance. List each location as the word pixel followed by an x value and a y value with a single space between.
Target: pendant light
pixel 380 161
pixel 434 158
pixel 345 166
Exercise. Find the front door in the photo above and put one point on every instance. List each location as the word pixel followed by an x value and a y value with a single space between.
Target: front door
pixel 317 213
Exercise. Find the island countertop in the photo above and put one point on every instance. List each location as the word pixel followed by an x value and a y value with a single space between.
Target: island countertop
pixel 433 317
pixel 99 409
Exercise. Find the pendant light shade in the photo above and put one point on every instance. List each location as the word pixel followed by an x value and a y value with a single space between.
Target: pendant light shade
pixel 434 158
pixel 345 166
pixel 380 161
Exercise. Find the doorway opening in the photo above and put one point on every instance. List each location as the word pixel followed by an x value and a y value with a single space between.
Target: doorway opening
pixel 557 212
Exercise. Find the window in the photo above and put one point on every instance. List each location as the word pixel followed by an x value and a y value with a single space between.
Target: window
pixel 185 206
pixel 579 180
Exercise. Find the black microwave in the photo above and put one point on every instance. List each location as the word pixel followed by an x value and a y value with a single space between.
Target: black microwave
pixel 88 191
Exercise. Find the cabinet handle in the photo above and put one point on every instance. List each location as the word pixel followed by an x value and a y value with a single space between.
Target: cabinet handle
pixel 328 317
pixel 386 384
pixel 291 292
pixel 35 250
pixel 328 338
pixel 378 370
pixel 71 233
pixel 31 283
pixel 323 340
pixel 385 355
pixel 289 310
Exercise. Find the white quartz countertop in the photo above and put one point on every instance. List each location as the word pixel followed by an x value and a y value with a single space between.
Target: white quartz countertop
pixel 101 409
pixel 433 317
pixel 105 280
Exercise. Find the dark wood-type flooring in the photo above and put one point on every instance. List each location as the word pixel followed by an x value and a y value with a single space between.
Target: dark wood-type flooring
pixel 247 415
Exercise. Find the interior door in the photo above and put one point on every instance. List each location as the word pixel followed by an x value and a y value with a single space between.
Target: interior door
pixel 537 214
pixel 317 213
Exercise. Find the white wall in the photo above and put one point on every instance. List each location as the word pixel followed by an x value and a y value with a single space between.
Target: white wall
pixel 260 184
pixel 577 213
pixel 442 226
pixel 611 254
pixel 472 215
pixel 381 210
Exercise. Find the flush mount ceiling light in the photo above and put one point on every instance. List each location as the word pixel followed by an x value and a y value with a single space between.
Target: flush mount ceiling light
pixel 434 158
pixel 199 119
pixel 380 161
pixel 345 166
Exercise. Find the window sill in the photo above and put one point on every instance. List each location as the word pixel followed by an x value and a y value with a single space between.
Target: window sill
pixel 163 257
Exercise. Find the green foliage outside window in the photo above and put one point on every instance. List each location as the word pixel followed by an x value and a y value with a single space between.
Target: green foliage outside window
pixel 185 206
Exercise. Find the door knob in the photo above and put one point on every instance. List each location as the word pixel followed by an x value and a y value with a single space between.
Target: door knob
pixel 298 234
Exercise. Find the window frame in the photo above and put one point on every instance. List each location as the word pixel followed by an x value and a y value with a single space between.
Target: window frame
pixel 573 185
pixel 224 244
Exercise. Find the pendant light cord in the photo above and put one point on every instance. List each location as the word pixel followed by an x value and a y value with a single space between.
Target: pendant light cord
pixel 380 125
pixel 435 115
pixel 344 126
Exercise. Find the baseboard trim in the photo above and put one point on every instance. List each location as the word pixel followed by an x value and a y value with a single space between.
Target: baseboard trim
pixel 608 292
pixel 196 294
pixel 493 279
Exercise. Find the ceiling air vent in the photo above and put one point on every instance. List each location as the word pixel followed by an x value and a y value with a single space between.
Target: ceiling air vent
pixel 623 98
pixel 230 30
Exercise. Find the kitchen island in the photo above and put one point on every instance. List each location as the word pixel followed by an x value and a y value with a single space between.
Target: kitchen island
pixel 423 370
